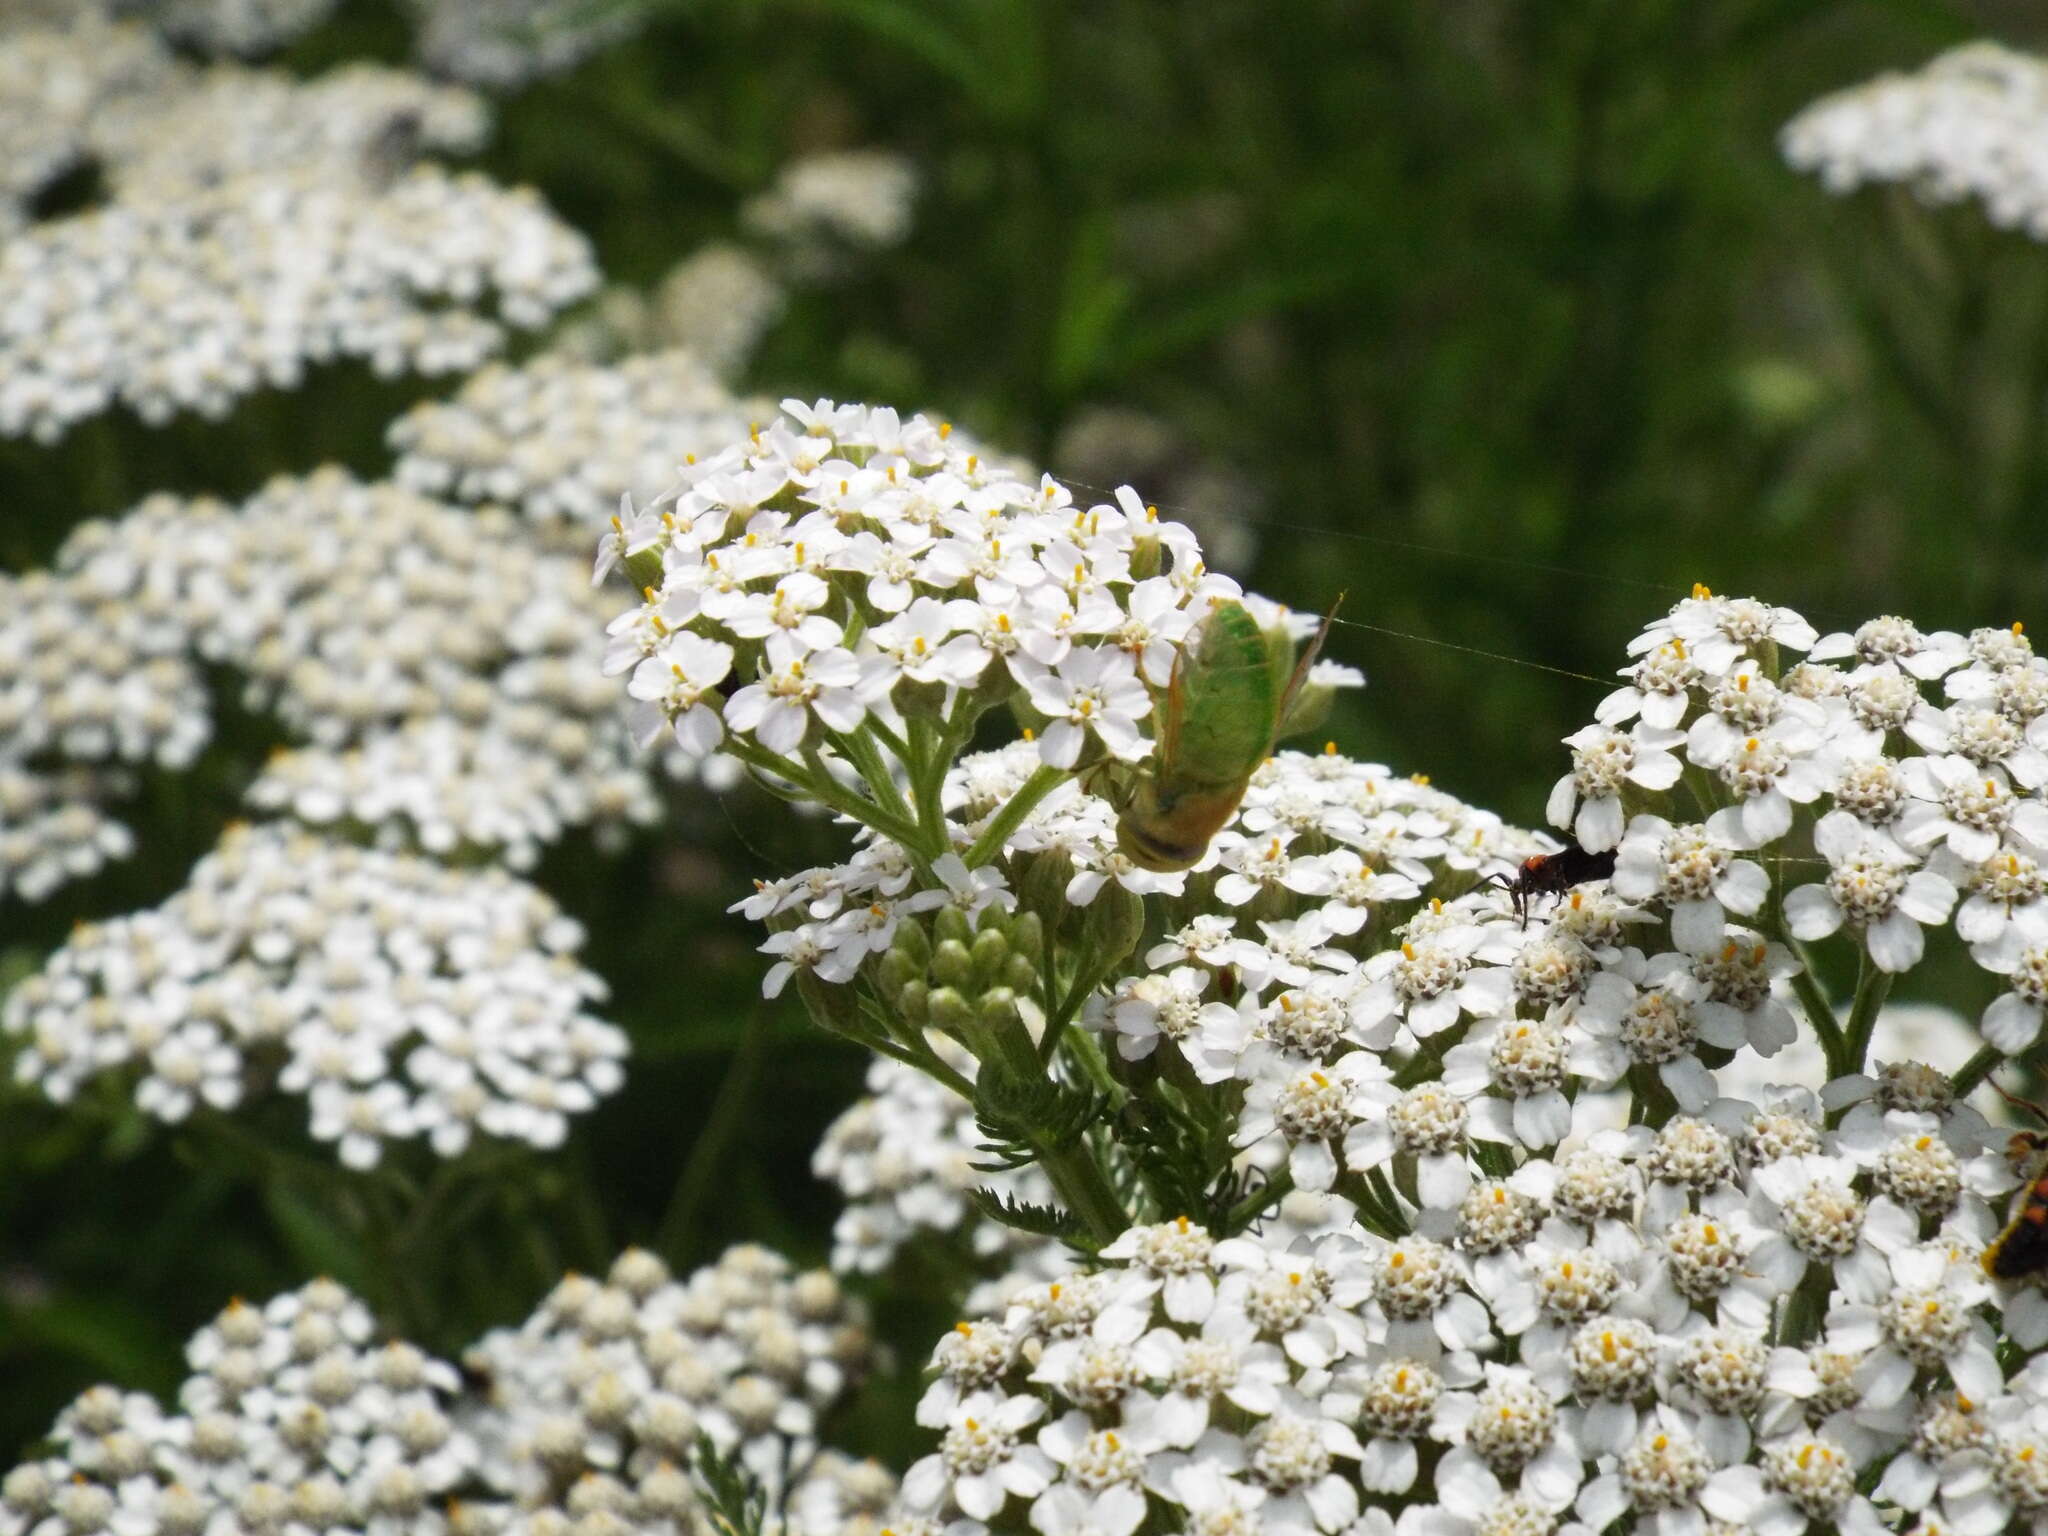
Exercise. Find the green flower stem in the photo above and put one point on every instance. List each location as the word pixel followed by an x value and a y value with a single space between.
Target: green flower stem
pixel 1043 781
pixel 1815 1003
pixel 931 754
pixel 1087 1055
pixel 1371 1213
pixel 1080 1181
pixel 1070 1005
pixel 1976 1069
pixel 1872 986
pixel 859 750
pixel 822 787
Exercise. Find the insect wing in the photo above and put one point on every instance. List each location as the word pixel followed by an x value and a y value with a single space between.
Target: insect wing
pixel 1298 678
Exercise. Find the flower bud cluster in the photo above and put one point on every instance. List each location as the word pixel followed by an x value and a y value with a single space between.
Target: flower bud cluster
pixel 1968 125
pixel 584 1422
pixel 402 1000
pixel 598 1400
pixel 293 1418
pixel 561 441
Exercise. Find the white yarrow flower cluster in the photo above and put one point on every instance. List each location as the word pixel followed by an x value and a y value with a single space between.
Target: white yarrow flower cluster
pixel 599 1399
pixel 90 688
pixel 823 208
pixel 1967 125
pixel 372 623
pixel 562 441
pixel 194 301
pixel 401 1000
pixel 298 1417
pixel 905 1157
pixel 294 1416
pixel 241 28
pixel 503 44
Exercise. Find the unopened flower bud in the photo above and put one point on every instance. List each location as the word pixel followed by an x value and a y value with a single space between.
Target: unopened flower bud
pixel 950 1011
pixel 912 942
pixel 914 1003
pixel 830 1007
pixel 895 971
pixel 991 955
pixel 951 923
pixel 1027 935
pixel 1113 924
pixel 952 964
pixel 998 1008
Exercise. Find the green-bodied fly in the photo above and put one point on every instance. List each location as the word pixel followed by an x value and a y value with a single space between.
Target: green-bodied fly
pixel 1232 688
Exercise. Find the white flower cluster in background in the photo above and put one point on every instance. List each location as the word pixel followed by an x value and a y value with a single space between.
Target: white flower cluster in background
pixel 192 303
pixel 504 44
pixel 1973 123
pixel 204 127
pixel 297 1417
pixel 400 999
pixel 111 95
pixel 54 84
pixel 441 670
pixel 718 302
pixel 89 688
pixel 597 1402
pixel 256 225
pixel 823 207
pixel 562 440
pixel 293 1418
pixel 54 827
pixel 905 1157
pixel 1596 1339
pixel 241 28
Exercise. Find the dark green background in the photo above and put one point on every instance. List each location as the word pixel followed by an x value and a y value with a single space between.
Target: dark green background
pixel 1510 313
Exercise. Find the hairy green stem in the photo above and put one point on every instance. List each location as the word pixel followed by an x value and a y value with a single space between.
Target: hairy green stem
pixel 1043 781
pixel 822 787
pixel 1872 986
pixel 1976 1069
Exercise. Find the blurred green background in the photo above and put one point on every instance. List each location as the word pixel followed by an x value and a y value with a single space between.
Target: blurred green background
pixel 1505 320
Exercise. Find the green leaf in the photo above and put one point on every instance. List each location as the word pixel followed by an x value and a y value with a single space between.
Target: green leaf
pixel 318 1245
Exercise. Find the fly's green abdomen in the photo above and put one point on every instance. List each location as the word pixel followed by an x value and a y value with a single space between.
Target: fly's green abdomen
pixel 1230 690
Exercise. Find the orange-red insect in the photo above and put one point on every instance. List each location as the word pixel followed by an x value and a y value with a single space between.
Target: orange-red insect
pixel 2022 1248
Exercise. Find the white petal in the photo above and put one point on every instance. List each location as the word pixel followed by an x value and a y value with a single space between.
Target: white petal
pixel 2011 1023
pixel 1895 942
pixel 1811 913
